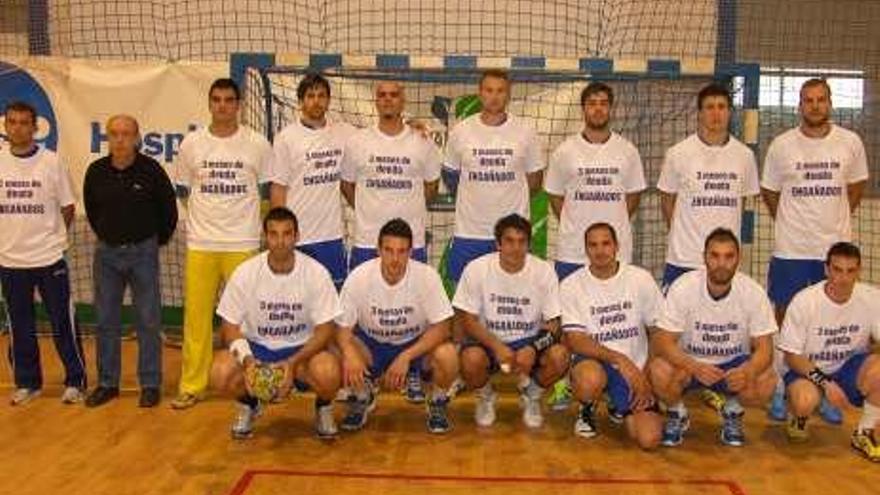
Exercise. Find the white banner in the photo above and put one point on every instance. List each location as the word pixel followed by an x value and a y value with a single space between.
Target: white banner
pixel 74 98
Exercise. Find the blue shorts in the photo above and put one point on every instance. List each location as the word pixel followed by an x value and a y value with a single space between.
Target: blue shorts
pixel 463 251
pixel 721 385
pixel 332 255
pixel 494 365
pixel 616 386
pixel 564 269
pixel 384 354
pixel 785 278
pixel 271 356
pixel 360 255
pixel 846 377
pixel 670 274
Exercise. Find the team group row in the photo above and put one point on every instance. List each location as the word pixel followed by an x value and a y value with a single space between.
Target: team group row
pixel 812 181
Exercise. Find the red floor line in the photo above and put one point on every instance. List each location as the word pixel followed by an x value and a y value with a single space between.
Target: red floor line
pixel 249 475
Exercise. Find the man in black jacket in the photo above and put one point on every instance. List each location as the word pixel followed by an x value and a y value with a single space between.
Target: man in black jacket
pixel 131 206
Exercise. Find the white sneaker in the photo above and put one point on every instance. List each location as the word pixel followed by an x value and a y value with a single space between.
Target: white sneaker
pixel 72 395
pixel 530 401
pixel 22 396
pixel 243 426
pixel 325 423
pixel 485 412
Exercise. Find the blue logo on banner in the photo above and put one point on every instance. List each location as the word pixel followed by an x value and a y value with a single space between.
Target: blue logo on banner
pixel 17 85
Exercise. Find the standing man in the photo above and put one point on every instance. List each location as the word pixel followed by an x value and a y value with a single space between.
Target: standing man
pixel 609 309
pixel 703 183
pixel 594 176
pixel 715 331
pixel 814 177
pixel 36 211
pixel 132 209
pixel 495 162
pixel 827 336
pixel 305 175
pixel 218 174
pixel 389 171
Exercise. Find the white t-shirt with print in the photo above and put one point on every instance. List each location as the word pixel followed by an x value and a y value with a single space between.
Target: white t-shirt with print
pixel 710 183
pixel 393 314
pixel 279 310
pixel 828 333
pixel 811 176
pixel 493 162
pixel 223 176
pixel 512 306
pixel 713 331
pixel 594 179
pixel 33 190
pixel 308 161
pixel 615 312
pixel 389 173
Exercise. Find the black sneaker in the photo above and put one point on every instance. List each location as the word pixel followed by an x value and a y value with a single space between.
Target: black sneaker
pixel 149 397
pixel 585 426
pixel 101 396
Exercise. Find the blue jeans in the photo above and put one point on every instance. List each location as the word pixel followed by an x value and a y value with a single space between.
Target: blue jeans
pixel 135 265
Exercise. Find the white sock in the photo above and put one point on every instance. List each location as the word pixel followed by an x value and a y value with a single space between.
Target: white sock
pixel 677 407
pixel 524 382
pixel 870 417
pixel 732 406
pixel 486 390
pixel 438 394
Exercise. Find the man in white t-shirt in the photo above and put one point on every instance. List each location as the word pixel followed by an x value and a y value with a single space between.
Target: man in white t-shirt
pixel 395 318
pixel 389 171
pixel 827 336
pixel 608 310
pixel 715 331
pixel 813 180
pixel 218 173
pixel 507 303
pixel 278 309
pixel 305 175
pixel 36 210
pixel 703 183
pixel 593 176
pixel 493 163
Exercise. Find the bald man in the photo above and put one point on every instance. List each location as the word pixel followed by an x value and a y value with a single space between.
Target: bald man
pixel 389 171
pixel 131 206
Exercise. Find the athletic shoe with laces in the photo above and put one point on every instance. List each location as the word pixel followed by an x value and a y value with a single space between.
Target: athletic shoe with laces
pixel 829 413
pixel 585 426
pixel 866 444
pixel 245 415
pixel 438 416
pixel 530 401
pixel 732 433
pixel 560 397
pixel 485 411
pixel 185 400
pixel 674 428
pixel 325 423
pixel 358 411
pixel 72 395
pixel 414 392
pixel 778 410
pixel 22 396
pixel 796 429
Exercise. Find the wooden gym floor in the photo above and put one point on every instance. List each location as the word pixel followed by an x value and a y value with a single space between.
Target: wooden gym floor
pixel 50 448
